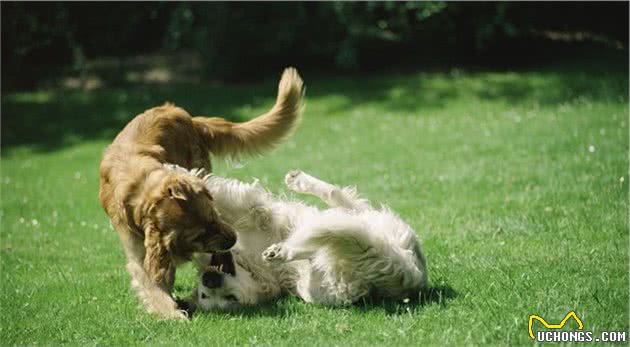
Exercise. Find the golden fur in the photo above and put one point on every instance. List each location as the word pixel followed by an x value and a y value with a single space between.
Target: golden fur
pixel 163 216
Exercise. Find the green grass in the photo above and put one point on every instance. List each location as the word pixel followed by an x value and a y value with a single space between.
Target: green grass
pixel 516 182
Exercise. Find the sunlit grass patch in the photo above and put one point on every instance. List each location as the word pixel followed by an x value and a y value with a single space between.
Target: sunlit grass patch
pixel 516 182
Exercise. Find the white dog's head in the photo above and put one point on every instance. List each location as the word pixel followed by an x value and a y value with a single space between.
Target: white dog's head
pixel 223 284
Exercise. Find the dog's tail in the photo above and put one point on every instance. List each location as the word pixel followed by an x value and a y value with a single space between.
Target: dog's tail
pixel 225 138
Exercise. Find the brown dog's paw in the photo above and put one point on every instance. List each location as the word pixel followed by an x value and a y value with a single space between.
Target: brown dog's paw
pixel 185 306
pixel 175 314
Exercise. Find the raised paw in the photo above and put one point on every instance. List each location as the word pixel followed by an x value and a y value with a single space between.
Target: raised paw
pixel 273 253
pixel 289 178
pixel 298 181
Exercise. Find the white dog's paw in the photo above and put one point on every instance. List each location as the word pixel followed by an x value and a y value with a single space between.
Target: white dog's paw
pixel 290 177
pixel 273 253
pixel 298 181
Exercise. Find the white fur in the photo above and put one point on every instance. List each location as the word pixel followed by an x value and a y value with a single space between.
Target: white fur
pixel 335 256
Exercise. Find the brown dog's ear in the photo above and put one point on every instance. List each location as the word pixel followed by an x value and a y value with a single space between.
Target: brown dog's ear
pixel 178 189
pixel 157 260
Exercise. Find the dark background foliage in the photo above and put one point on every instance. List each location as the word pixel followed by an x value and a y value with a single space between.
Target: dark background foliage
pixel 246 40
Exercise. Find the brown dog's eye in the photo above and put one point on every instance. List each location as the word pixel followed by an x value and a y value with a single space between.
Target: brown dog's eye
pixel 203 295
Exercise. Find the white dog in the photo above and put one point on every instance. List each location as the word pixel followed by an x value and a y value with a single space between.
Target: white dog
pixel 334 256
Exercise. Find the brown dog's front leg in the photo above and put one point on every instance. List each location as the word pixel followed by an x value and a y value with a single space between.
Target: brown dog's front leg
pixel 160 270
pixel 157 261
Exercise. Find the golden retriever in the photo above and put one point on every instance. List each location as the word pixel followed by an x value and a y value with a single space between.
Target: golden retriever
pixel 162 216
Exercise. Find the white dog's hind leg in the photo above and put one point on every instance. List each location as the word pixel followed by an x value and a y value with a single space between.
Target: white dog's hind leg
pixel 301 182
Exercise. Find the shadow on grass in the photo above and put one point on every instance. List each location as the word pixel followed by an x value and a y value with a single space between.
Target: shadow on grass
pixel 50 120
pixel 54 119
pixel 268 309
pixel 433 295
pixel 603 78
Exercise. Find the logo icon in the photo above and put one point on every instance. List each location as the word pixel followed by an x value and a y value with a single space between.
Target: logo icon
pixel 553 326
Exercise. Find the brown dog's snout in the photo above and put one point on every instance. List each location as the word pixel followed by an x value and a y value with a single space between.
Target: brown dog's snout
pixel 229 242
pixel 221 237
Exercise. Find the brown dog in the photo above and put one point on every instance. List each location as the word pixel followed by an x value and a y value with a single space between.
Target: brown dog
pixel 163 216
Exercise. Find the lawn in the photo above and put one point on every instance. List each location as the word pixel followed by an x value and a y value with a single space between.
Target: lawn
pixel 516 181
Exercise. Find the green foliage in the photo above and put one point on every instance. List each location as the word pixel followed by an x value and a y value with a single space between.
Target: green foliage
pixel 246 39
pixel 517 183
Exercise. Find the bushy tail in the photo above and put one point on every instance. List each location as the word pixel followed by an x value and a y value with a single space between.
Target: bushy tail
pixel 225 138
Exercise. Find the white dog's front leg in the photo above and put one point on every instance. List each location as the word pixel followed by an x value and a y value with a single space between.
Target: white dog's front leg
pixel 281 252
